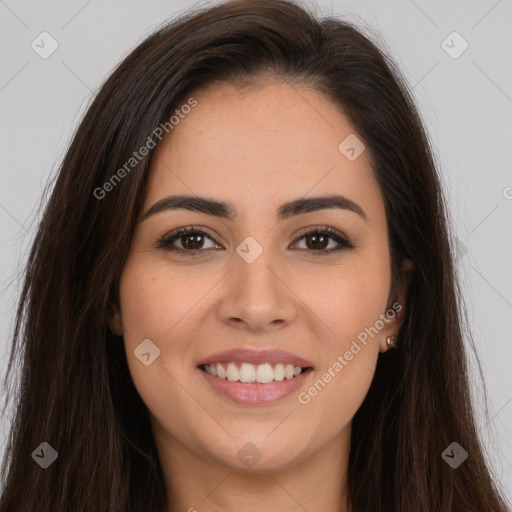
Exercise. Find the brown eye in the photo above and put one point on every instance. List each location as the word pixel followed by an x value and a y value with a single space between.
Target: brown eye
pixel 192 240
pixel 318 239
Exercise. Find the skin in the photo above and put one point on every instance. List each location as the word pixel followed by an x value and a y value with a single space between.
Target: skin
pixel 257 147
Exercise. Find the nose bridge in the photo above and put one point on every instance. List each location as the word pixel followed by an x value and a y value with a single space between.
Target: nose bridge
pixel 255 268
pixel 256 293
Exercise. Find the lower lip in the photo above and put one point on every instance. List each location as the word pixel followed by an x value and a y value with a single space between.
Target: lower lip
pixel 253 394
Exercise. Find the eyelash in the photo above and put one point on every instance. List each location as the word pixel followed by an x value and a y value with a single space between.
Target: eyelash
pixel 167 240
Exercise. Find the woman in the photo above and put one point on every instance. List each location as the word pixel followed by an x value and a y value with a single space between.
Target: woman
pixel 241 295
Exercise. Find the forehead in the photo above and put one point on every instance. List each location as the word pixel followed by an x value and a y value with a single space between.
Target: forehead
pixel 252 144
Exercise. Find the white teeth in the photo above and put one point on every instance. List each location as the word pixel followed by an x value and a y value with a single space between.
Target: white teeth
pixel 288 371
pixel 263 373
pixel 247 373
pixel 279 372
pixel 232 372
pixel 221 373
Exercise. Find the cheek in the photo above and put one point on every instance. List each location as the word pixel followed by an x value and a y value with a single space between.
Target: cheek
pixel 351 305
pixel 350 301
pixel 154 307
pixel 156 300
pixel 165 305
pixel 350 351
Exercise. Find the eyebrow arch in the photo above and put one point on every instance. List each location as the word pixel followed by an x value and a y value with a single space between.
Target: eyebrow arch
pixel 228 211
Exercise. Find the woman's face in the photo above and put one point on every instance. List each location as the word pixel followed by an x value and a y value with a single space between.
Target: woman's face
pixel 250 282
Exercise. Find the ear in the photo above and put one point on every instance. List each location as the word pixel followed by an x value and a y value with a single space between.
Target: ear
pixel 115 319
pixel 394 315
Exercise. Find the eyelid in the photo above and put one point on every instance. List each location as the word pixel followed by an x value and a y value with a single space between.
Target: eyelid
pixel 321 229
pixel 184 230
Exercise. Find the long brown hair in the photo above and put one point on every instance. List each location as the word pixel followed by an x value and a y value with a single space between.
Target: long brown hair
pixel 74 389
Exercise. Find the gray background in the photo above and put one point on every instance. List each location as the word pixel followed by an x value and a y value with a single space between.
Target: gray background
pixel 466 103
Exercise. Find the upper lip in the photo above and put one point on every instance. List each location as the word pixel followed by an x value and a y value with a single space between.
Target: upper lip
pixel 256 357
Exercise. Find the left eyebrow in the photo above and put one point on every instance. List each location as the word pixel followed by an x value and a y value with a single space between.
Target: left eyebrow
pixel 228 211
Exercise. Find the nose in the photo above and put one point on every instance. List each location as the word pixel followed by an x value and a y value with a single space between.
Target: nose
pixel 256 296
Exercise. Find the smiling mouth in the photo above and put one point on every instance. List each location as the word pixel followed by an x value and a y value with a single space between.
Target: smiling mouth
pixel 247 373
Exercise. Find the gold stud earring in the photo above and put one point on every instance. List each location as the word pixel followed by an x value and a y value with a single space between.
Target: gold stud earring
pixel 390 342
